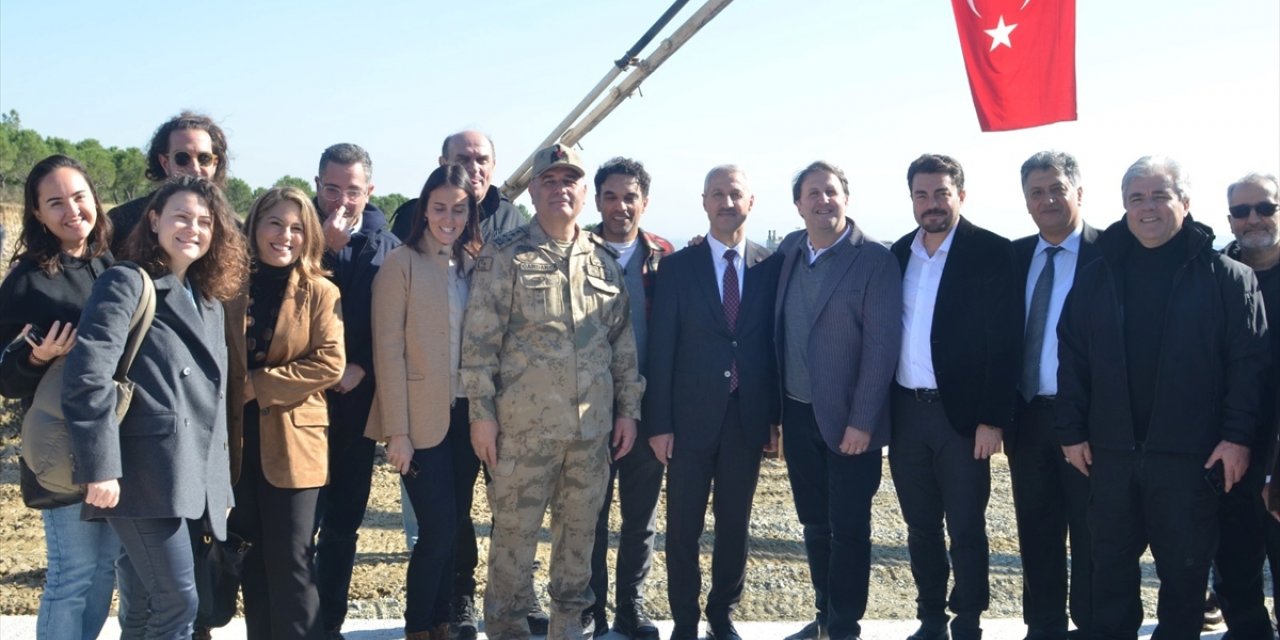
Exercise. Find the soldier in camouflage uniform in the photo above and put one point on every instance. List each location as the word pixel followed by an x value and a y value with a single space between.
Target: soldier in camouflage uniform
pixel 548 361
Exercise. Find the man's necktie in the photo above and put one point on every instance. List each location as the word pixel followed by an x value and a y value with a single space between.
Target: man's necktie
pixel 731 300
pixel 1037 324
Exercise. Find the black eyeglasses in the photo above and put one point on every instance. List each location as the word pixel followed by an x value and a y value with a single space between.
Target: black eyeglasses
pixel 1264 209
pixel 205 158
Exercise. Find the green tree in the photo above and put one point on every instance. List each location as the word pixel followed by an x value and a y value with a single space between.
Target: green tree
pixel 30 149
pixel 98 163
pixel 389 203
pixel 524 213
pixel 294 181
pixel 240 195
pixel 131 179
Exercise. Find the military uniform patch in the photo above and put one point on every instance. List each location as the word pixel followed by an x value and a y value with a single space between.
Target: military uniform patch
pixel 484 263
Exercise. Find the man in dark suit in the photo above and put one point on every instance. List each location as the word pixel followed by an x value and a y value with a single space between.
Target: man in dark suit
pixel 838 331
pixel 711 404
pixel 1050 497
pixel 954 393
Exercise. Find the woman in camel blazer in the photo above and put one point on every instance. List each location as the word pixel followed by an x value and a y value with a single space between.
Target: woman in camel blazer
pixel 284 337
pixel 418 299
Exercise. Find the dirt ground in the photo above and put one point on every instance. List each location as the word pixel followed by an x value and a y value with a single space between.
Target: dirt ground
pixel 777 576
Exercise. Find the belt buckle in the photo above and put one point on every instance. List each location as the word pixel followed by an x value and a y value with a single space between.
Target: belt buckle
pixel 925 395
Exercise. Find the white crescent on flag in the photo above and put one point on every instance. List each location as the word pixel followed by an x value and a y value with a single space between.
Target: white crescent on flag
pixel 975 9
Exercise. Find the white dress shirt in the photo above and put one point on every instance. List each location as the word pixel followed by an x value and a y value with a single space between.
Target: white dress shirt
pixel 1064 274
pixel 717 259
pixel 919 294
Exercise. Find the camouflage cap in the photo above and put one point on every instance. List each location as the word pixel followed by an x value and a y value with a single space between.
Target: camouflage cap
pixel 557 155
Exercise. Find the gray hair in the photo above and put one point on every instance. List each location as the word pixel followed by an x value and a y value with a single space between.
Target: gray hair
pixel 723 169
pixel 1060 161
pixel 1158 165
pixel 345 154
pixel 1264 180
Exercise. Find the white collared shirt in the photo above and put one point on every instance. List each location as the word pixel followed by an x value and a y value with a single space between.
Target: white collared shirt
pixel 814 252
pixel 717 259
pixel 919 295
pixel 1064 274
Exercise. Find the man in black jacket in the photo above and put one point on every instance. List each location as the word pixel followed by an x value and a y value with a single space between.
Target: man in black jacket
pixel 1050 497
pixel 356 243
pixel 1161 345
pixel 188 144
pixel 1249 534
pixel 474 151
pixel 954 393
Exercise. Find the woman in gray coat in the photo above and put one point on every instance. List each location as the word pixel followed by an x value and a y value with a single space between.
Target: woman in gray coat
pixel 165 463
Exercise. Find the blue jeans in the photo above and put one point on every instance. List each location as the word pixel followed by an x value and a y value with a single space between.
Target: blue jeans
pixel 77 592
pixel 157 575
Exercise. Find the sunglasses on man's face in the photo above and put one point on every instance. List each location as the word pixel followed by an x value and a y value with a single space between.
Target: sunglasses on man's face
pixel 1264 209
pixel 204 158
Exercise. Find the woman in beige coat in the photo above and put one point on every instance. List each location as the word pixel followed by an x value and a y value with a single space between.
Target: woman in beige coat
pixel 284 337
pixel 418 299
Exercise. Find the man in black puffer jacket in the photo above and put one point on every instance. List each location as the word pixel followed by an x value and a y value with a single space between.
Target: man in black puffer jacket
pixel 1161 344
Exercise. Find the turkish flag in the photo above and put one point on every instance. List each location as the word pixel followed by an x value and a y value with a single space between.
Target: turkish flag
pixel 1021 60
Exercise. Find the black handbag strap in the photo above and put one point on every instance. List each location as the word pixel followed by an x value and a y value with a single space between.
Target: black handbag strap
pixel 139 324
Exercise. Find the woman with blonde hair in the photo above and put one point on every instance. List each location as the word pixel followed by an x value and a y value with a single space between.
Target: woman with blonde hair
pixel 163 467
pixel 284 337
pixel 418 300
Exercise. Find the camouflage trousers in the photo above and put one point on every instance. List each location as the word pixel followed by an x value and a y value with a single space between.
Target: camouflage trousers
pixel 571 476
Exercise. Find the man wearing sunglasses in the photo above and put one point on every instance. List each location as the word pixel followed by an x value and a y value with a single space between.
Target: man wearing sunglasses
pixel 189 144
pixel 356 242
pixel 1161 348
pixel 1249 534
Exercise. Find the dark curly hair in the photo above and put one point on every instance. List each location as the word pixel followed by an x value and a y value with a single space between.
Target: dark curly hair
pixel 35 242
pixel 187 120
pixel 221 272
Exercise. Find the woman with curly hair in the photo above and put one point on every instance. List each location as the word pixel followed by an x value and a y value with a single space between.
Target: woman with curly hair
pixel 284 336
pixel 61 251
pixel 164 466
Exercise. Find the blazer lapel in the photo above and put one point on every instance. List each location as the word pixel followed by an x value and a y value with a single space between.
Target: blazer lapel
pixel 292 306
pixel 789 258
pixel 1088 247
pixel 752 292
pixel 841 264
pixel 194 319
pixel 704 273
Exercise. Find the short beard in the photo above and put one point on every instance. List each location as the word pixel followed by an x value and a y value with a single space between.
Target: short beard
pixel 1259 238
pixel 941 225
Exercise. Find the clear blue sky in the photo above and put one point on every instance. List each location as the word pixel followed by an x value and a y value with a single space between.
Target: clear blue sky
pixel 769 85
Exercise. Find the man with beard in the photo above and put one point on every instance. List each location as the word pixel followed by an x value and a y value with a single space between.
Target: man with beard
pixel 837 331
pixel 622 195
pixel 188 144
pixel 1248 533
pixel 1161 347
pixel 954 394
pixel 356 243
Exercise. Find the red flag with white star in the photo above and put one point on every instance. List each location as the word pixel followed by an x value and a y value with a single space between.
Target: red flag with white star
pixel 1021 60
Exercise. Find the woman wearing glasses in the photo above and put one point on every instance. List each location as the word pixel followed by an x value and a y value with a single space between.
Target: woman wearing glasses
pixel 188 144
pixel 164 466
pixel 62 250
pixel 284 338
pixel 418 301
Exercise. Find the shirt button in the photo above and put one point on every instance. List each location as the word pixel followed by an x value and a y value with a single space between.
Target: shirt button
pixel 728 374
pixel 734 344
pixel 186 371
pixel 264 412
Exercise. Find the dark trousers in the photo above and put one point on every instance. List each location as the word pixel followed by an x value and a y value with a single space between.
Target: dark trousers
pixel 466 466
pixel 157 573
pixel 341 506
pixel 278 579
pixel 1051 500
pixel 430 487
pixel 937 478
pixel 1243 521
pixel 734 467
pixel 1138 499
pixel 833 495
pixel 639 478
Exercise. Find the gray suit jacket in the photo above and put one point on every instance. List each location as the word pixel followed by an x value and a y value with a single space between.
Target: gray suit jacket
pixel 170 450
pixel 855 338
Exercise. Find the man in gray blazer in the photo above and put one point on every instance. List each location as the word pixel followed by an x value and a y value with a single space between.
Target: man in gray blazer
pixel 837 334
